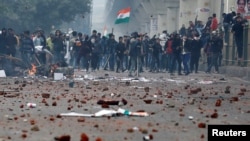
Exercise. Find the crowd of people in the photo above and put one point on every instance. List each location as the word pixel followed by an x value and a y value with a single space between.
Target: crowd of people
pixel 180 51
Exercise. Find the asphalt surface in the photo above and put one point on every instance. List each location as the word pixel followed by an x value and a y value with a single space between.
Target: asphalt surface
pixel 180 108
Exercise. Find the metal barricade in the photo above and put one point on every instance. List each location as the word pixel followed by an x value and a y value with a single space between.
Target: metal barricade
pixel 230 49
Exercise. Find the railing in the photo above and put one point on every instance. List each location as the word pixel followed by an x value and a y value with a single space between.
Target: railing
pixel 230 49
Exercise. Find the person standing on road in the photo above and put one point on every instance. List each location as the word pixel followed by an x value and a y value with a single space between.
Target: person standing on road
pixel 120 50
pixel 169 53
pixel 40 41
pixel 186 54
pixel 85 53
pixel 58 47
pixel 96 51
pixel 73 53
pixel 110 48
pixel 27 49
pixel 177 49
pixel 155 64
pixel 195 53
pixel 135 50
pixel 11 42
pixel 216 45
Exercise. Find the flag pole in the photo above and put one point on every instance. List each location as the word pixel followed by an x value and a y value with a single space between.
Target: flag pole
pixel 127 33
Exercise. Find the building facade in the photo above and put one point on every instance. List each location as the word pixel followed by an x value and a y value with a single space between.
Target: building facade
pixel 154 16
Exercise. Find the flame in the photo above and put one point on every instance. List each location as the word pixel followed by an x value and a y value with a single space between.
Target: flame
pixel 32 71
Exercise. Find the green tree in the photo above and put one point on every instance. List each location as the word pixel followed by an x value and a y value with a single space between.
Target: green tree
pixel 30 14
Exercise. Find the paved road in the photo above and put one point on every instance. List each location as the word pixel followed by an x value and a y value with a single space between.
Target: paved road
pixel 176 105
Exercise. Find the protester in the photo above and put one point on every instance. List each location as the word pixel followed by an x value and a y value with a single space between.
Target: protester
pixel 120 50
pixel 177 50
pixel 237 30
pixel 27 49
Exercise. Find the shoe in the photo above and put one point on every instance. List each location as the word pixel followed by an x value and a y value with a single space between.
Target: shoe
pixel 216 72
pixel 130 75
pixel 187 73
pixel 179 73
pixel 207 71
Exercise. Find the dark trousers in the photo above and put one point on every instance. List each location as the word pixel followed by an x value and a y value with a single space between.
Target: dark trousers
pixel 86 59
pixel 176 58
pixel 26 57
pixel 119 62
pixel 94 60
pixel 215 58
pixel 239 44
pixel 155 64
pixel 194 62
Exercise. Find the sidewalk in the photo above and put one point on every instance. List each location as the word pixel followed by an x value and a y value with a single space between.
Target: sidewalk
pixel 232 71
pixel 236 71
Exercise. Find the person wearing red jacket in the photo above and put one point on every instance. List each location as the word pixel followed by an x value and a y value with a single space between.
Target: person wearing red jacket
pixel 214 23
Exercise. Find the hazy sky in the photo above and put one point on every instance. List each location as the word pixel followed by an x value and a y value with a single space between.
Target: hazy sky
pixel 98 14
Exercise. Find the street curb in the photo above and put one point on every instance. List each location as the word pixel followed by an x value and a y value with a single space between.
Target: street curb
pixel 236 71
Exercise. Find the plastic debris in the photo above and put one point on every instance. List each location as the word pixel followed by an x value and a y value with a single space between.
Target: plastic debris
pixel 129 113
pixel 205 82
pixel 148 138
pixel 74 114
pixel 31 105
pixel 105 113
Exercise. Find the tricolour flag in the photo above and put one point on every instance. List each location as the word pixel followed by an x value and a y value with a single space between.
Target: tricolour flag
pixel 123 16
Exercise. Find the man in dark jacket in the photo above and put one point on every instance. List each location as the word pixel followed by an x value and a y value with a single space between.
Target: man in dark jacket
pixel 195 53
pixel 11 42
pixel 177 49
pixel 58 47
pixel 84 52
pixel 186 54
pixel 135 51
pixel 155 64
pixel 120 49
pixel 110 48
pixel 216 44
pixel 227 22
pixel 237 30
pixel 96 51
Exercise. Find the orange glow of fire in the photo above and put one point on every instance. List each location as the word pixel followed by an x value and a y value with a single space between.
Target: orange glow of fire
pixel 32 71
